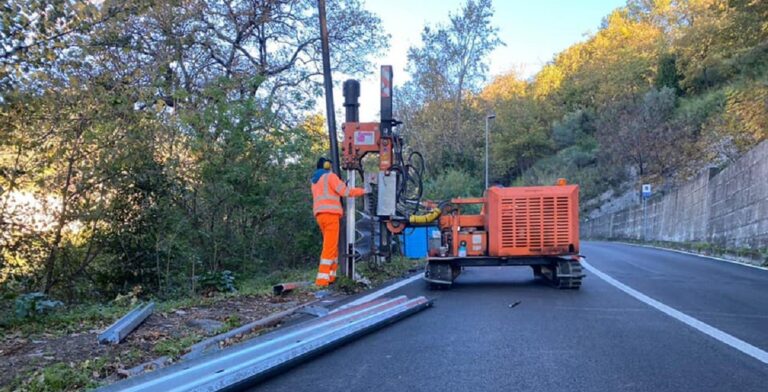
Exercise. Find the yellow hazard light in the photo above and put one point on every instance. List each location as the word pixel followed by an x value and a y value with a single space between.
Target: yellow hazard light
pixel 561 182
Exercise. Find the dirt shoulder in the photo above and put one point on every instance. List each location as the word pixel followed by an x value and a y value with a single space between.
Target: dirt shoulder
pixel 51 360
pixel 62 353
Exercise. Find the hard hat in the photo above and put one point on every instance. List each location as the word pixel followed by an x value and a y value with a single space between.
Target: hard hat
pixel 324 163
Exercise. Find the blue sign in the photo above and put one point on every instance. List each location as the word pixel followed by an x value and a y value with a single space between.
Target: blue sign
pixel 646 191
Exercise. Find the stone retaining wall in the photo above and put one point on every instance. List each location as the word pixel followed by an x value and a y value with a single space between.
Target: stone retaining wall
pixel 727 208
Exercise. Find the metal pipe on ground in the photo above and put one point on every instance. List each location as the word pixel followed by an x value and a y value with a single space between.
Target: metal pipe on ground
pixel 212 344
pixel 157 363
pixel 251 362
pixel 116 332
pixel 283 288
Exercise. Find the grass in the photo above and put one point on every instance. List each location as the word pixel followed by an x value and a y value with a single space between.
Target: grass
pixel 232 321
pixel 376 274
pixel 263 284
pixel 61 377
pixel 347 286
pixel 83 317
pixel 96 316
pixel 396 268
pixel 69 376
pixel 77 318
pixel 256 285
pixel 131 355
pixel 175 347
pixel 64 321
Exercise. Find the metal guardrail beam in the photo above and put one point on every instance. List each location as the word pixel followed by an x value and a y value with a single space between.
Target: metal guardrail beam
pixel 253 361
pixel 212 344
pixel 315 310
pixel 154 364
pixel 116 332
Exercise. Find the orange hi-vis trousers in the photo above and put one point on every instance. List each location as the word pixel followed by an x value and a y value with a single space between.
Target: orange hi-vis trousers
pixel 329 226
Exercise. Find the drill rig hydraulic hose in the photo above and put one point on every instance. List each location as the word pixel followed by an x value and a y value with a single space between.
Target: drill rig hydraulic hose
pixel 426 218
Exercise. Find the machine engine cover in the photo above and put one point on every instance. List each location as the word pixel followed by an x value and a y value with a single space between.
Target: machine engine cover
pixel 533 221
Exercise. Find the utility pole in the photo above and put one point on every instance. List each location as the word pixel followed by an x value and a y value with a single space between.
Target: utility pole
pixel 331 116
pixel 487 119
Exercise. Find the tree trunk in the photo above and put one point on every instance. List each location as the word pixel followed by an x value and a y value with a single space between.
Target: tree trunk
pixel 457 107
pixel 50 262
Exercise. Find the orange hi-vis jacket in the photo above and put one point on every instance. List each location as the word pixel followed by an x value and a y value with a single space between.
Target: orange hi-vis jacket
pixel 326 193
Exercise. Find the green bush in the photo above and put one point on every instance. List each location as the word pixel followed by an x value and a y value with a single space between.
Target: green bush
pixel 453 183
pixel 35 304
pixel 578 164
pixel 574 127
pixel 221 281
pixel 693 112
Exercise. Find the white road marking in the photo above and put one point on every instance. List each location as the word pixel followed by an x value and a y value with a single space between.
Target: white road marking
pixel 378 293
pixel 707 329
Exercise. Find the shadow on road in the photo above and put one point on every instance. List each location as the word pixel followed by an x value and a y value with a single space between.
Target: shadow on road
pixel 482 278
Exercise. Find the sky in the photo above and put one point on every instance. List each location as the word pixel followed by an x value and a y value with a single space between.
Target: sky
pixel 533 30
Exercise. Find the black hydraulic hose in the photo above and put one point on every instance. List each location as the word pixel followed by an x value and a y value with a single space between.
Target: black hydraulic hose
pixel 421 167
pixel 398 147
pixel 418 182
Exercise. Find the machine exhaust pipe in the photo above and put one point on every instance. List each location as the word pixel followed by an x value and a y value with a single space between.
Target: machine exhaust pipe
pixel 351 90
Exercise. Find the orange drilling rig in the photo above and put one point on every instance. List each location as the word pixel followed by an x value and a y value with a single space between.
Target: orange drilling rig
pixel 534 226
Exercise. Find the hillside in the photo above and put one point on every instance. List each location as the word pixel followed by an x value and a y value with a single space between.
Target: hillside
pixel 662 90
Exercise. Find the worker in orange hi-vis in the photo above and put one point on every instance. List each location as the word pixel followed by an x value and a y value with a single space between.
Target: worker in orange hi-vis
pixel 327 190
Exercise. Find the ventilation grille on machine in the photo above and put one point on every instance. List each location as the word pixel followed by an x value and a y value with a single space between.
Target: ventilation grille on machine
pixel 535 223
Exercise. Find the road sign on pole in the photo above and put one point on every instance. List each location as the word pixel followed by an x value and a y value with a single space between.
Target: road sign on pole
pixel 646 194
pixel 646 191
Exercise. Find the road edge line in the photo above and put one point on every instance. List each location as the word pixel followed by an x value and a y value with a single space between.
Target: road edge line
pixel 378 293
pixel 693 254
pixel 701 326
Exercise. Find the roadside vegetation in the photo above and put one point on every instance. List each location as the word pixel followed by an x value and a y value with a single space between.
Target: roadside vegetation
pixel 144 153
pixel 660 91
pixel 57 350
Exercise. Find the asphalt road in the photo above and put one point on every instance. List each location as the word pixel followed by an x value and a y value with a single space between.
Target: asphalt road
pixel 595 339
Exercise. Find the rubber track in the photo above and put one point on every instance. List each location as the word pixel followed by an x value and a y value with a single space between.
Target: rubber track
pixel 569 267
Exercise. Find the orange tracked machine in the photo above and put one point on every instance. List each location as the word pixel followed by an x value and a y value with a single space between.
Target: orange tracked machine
pixel 535 226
